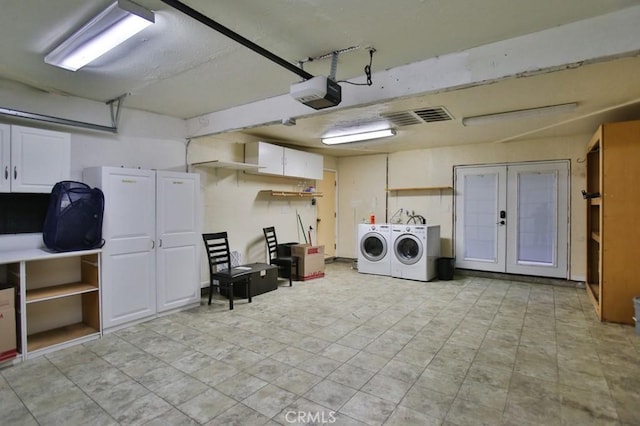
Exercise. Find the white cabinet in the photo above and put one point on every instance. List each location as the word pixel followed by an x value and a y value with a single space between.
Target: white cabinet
pixel 33 160
pixel 282 161
pixel 302 164
pixel 151 256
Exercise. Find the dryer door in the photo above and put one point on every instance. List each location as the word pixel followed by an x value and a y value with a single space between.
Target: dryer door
pixel 408 249
pixel 373 246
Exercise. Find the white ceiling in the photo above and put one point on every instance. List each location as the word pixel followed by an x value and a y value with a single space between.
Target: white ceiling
pixel 181 68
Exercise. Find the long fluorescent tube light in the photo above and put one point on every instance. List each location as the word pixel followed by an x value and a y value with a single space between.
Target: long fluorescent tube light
pixel 357 137
pixel 523 113
pixel 120 21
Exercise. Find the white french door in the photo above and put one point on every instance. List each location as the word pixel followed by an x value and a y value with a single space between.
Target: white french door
pixel 513 218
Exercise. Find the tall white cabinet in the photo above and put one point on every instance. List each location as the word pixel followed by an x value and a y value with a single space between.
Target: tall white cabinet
pixel 33 160
pixel 150 260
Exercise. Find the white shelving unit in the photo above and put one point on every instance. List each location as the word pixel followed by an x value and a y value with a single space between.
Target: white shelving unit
pixel 59 298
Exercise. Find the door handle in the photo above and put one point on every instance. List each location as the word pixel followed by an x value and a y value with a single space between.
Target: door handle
pixel 153 244
pixel 502 222
pixel 160 245
pixel 6 172
pixel 15 172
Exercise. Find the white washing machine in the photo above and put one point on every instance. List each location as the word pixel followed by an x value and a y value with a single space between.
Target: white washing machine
pixel 374 249
pixel 415 249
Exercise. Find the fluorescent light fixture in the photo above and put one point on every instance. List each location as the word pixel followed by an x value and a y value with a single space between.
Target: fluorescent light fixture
pixel 522 113
pixel 117 23
pixel 357 137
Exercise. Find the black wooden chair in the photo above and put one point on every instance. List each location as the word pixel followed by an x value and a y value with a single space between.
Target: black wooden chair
pixel 284 263
pixel 217 246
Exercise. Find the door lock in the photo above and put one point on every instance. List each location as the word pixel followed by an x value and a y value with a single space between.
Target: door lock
pixel 503 215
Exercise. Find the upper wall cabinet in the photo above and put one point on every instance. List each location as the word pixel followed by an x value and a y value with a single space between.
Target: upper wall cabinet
pixel 281 161
pixel 33 160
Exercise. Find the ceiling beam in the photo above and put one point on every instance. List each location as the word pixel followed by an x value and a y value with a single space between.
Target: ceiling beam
pixel 598 39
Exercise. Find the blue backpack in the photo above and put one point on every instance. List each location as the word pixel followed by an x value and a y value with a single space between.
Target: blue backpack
pixel 74 217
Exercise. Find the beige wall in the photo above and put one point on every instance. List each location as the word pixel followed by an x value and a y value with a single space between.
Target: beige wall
pixel 232 203
pixel 362 182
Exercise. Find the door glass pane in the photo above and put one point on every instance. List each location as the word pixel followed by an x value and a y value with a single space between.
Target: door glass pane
pixel 537 216
pixel 480 217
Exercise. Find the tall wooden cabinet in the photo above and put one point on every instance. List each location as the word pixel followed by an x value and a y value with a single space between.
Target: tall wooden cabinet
pixel 613 252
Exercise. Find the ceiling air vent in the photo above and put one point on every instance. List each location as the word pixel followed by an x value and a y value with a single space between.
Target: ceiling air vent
pixel 426 115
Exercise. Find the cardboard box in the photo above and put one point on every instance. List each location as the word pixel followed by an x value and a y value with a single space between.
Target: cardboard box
pixel 7 297
pixel 310 261
pixel 8 346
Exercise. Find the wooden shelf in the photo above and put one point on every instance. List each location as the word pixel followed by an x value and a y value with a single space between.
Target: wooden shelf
pixel 54 292
pixel 613 157
pixel 291 194
pixel 59 335
pixel 593 291
pixel 216 164
pixel 422 188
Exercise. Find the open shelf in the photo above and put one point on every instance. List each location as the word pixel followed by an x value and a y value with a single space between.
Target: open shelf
pixel 216 164
pixel 59 335
pixel 63 290
pixel 291 194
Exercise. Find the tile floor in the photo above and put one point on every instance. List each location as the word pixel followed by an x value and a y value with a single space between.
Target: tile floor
pixel 349 349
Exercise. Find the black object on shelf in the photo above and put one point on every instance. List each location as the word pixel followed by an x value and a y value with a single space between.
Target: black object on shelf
pixel 446 268
pixel 586 195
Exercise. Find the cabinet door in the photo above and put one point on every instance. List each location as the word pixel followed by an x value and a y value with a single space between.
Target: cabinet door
pixel 302 164
pixel 178 233
pixel 128 273
pixel 294 163
pixel 266 155
pixel 5 157
pixel 313 167
pixel 39 159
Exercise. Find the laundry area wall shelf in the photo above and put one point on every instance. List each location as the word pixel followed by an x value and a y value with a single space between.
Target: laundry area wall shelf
pixel 422 188
pixel 290 194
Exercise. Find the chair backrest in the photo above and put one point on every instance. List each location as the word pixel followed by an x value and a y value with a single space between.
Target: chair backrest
pixel 272 242
pixel 217 246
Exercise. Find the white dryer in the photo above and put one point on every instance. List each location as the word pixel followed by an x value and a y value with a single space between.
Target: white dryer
pixel 416 249
pixel 374 249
